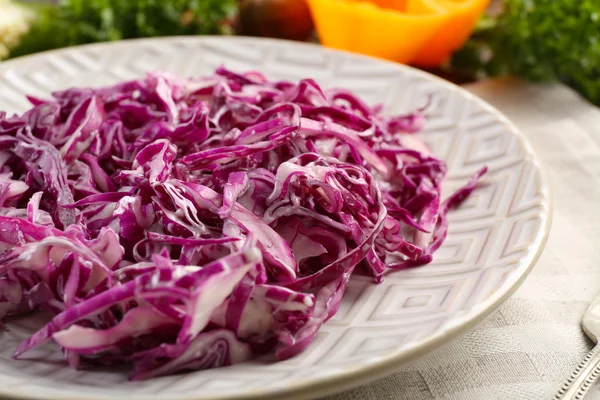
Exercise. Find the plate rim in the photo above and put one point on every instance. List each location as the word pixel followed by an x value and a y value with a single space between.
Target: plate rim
pixel 348 379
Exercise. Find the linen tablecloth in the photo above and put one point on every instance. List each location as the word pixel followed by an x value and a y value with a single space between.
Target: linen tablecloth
pixel 527 348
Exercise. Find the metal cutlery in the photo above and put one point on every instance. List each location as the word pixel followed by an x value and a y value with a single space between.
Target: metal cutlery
pixel 588 371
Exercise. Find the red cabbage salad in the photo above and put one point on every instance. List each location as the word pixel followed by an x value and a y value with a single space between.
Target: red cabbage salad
pixel 181 224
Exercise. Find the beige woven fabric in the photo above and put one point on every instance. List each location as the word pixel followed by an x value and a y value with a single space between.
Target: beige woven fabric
pixel 534 341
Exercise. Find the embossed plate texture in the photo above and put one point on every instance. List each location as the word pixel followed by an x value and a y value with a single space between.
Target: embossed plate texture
pixel 494 238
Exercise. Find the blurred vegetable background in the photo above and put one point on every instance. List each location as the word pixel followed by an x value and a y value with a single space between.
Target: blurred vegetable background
pixel 15 22
pixel 73 22
pixel 284 19
pixel 540 40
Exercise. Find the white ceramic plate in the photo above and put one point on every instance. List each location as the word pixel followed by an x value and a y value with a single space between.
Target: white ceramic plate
pixel 494 238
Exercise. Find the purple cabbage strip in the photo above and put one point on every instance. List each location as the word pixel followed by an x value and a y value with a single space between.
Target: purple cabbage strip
pixel 182 224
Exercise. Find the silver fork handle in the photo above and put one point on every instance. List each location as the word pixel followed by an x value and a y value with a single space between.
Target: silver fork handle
pixel 578 384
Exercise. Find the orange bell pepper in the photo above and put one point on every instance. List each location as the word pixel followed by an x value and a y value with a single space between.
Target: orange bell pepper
pixel 423 32
pixel 367 28
pixel 453 35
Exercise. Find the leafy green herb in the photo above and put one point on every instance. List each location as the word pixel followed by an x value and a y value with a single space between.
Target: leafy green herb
pixel 75 22
pixel 541 40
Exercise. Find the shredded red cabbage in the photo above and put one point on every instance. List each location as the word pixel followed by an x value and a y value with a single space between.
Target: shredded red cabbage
pixel 186 224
